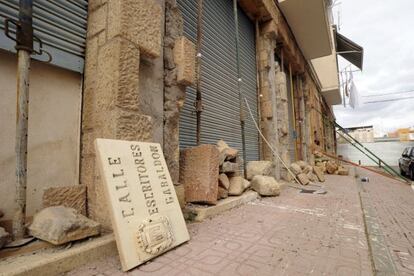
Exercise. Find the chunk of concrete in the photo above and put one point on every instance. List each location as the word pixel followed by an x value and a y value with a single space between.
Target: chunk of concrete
pixel 265 185
pixel 226 152
pixel 307 169
pixel 331 167
pixel 254 168
pixel 4 237
pixel 199 171
pixel 59 225
pixel 229 167
pixel 319 174
pixel 295 168
pixel 303 179
pixel 302 164
pixel 224 181
pixel 238 185
pixel 69 196
pixel 222 193
pixel 312 177
pixel 343 171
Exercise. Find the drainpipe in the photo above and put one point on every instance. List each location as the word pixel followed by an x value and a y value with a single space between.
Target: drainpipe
pixel 198 103
pixel 239 84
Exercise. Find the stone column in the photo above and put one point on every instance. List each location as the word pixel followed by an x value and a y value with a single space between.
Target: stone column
pixel 267 84
pixel 120 34
pixel 283 119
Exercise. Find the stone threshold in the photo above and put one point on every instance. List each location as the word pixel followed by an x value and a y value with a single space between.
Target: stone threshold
pixel 199 213
pixel 55 261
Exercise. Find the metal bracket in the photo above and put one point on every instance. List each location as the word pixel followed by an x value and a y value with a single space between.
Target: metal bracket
pixel 8 32
pixel 199 107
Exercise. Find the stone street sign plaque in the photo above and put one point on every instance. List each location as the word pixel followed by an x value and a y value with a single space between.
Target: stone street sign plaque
pixel 145 212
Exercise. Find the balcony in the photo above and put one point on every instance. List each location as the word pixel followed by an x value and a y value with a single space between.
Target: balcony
pixel 309 23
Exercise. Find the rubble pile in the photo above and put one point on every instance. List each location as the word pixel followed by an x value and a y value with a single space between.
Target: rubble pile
pixel 306 173
pixel 230 183
pixel 329 166
pixel 210 173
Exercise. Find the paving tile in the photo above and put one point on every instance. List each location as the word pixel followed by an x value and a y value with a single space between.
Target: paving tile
pixel 293 234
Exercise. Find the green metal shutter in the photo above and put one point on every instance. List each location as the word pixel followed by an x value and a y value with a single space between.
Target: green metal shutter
pixel 221 117
pixel 60 24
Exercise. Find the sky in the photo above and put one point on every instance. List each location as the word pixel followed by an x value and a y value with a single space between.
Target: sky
pixel 386 31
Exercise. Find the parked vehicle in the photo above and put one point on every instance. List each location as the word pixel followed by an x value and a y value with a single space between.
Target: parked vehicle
pixel 406 163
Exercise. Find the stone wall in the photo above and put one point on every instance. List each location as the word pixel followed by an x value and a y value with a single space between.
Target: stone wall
pixel 179 72
pixel 123 85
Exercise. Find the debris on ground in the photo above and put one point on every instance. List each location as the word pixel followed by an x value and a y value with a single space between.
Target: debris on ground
pixel 4 237
pixel 59 225
pixel 254 168
pixel 265 185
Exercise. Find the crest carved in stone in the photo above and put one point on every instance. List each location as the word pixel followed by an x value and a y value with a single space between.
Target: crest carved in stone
pixel 155 235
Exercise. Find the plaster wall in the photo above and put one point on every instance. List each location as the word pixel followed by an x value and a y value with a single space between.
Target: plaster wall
pixel 53 135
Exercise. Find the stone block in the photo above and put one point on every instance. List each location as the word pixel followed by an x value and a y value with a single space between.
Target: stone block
pixel 118 72
pixel 319 173
pixel 224 181
pixel 265 185
pixel 199 171
pixel 227 153
pixel 312 177
pixel 343 171
pixel 331 167
pixel 267 109
pixel 254 168
pixel 59 225
pixel 229 167
pixel 137 21
pixel 303 179
pixel 307 169
pixel 96 21
pixel 69 196
pixel 238 185
pixel 222 193
pixel 180 191
pixel 302 164
pixel 184 58
pixel 295 168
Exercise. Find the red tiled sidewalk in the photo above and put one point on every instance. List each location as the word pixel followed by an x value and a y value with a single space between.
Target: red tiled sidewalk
pixel 393 203
pixel 294 234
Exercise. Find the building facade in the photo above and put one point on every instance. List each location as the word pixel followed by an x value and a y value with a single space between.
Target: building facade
pixel 130 72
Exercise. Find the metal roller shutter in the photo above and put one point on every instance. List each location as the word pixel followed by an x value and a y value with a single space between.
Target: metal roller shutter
pixel 221 118
pixel 60 24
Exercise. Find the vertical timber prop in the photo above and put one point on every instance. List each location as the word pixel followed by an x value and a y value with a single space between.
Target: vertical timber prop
pixel 24 46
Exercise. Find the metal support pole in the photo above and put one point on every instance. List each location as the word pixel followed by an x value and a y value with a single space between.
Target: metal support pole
pixel 198 103
pixel 24 46
pixel 239 84
pixel 22 111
